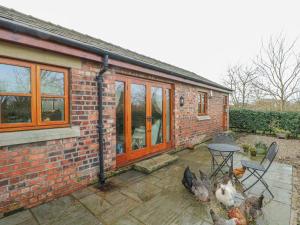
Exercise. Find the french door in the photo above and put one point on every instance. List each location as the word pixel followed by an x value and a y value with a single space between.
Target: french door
pixel 143 118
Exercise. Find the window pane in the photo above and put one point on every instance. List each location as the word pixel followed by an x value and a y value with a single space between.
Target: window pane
pixel 14 79
pixel 199 103
pixel 52 83
pixel 15 109
pixel 157 115
pixel 53 109
pixel 168 116
pixel 203 103
pixel 138 116
pixel 120 117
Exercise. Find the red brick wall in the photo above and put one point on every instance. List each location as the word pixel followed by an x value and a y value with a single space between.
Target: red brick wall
pixel 189 128
pixel 31 174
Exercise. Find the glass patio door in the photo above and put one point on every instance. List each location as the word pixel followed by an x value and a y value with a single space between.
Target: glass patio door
pixel 143 118
pixel 138 117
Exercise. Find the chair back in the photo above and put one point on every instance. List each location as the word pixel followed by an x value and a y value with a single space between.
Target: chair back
pixel 223 138
pixel 271 154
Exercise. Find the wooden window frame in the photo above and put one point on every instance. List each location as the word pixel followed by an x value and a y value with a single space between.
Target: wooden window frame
pixel 36 97
pixel 200 103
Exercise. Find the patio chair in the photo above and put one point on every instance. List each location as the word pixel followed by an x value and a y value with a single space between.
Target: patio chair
pixel 258 170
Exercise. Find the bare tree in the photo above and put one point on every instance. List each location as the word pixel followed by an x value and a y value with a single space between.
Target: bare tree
pixel 240 79
pixel 278 67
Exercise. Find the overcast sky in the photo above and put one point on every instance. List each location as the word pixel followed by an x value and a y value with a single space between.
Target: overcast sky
pixel 201 36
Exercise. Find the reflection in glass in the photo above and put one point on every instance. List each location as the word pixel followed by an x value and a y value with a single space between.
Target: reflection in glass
pixel 14 79
pixel 52 109
pixel 15 109
pixel 138 116
pixel 52 83
pixel 157 123
pixel 168 115
pixel 119 87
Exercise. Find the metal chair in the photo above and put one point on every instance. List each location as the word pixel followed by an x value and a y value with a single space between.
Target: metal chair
pixel 258 170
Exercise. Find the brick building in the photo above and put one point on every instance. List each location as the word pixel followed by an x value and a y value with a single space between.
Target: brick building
pixel 52 82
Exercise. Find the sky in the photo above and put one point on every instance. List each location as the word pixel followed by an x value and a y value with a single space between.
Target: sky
pixel 205 37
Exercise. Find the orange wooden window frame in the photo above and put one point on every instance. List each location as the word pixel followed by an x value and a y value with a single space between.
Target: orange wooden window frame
pixel 200 103
pixel 36 97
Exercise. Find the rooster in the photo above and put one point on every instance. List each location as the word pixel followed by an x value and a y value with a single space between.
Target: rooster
pixel 217 220
pixel 195 185
pixel 225 192
pixel 238 214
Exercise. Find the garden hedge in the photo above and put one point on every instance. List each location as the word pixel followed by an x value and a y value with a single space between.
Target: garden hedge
pixel 260 121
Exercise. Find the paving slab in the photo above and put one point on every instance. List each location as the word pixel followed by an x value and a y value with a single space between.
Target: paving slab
pixel 82 193
pixel 127 220
pixel 129 177
pixel 96 204
pixel 20 218
pixel 275 213
pixel 113 197
pixel 162 209
pixel 113 214
pixel 64 211
pixel 150 165
pixel 143 190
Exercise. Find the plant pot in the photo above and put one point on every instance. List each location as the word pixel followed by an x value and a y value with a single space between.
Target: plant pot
pixel 261 151
pixel 282 135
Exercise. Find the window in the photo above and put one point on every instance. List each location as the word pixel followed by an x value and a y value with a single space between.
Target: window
pixel 32 96
pixel 202 103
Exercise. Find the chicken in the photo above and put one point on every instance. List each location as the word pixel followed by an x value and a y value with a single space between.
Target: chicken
pixel 187 179
pixel 225 192
pixel 251 207
pixel 238 214
pixel 217 220
pixel 195 185
pixel 239 172
pixel 227 181
pixel 205 179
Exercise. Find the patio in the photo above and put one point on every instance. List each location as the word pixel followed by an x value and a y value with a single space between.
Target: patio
pixel 159 198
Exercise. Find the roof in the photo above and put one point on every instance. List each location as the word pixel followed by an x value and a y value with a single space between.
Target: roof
pixel 19 19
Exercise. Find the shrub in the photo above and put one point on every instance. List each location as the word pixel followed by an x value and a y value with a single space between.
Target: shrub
pixel 253 151
pixel 246 147
pixel 266 122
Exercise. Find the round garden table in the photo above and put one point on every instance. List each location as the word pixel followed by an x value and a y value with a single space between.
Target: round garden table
pixel 222 155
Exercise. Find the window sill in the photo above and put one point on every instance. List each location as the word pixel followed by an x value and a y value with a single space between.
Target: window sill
pixel 24 137
pixel 204 117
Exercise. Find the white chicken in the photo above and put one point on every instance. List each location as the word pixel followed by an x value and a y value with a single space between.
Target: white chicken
pixel 225 192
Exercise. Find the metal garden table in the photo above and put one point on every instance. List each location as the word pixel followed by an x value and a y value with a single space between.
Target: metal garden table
pixel 222 155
